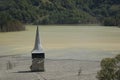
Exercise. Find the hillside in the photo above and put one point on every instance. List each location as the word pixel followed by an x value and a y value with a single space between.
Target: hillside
pixel 62 11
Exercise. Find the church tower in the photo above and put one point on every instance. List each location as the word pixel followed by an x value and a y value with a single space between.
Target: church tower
pixel 38 55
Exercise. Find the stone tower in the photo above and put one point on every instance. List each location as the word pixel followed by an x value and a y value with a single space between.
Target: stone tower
pixel 38 55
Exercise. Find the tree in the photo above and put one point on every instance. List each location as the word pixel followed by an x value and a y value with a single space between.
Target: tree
pixel 9 24
pixel 63 11
pixel 109 21
pixel 108 68
pixel 118 73
pixel 117 58
pixel 4 18
pixel 118 67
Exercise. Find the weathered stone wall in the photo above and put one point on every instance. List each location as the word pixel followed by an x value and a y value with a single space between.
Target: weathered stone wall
pixel 37 64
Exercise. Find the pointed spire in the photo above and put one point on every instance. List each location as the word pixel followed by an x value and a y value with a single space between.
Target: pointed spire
pixel 37 46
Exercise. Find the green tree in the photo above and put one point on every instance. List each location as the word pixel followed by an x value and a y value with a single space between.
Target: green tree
pixel 9 24
pixel 108 69
pixel 4 18
pixel 118 67
pixel 63 11
pixel 109 21
pixel 118 73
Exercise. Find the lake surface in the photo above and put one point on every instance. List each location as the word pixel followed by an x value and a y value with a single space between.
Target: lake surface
pixel 64 42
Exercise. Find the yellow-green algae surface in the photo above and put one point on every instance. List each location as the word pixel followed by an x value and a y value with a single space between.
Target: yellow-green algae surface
pixel 57 39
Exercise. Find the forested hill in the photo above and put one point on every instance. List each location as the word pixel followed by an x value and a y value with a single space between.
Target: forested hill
pixel 61 11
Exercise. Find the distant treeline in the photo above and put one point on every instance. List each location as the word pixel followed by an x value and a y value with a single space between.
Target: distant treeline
pixel 8 24
pixel 106 12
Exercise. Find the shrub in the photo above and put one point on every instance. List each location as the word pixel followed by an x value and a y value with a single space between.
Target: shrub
pixel 110 69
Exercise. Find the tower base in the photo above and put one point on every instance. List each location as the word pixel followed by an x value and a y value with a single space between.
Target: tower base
pixel 37 65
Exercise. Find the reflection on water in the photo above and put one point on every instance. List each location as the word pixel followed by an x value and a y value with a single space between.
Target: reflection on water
pixel 74 42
